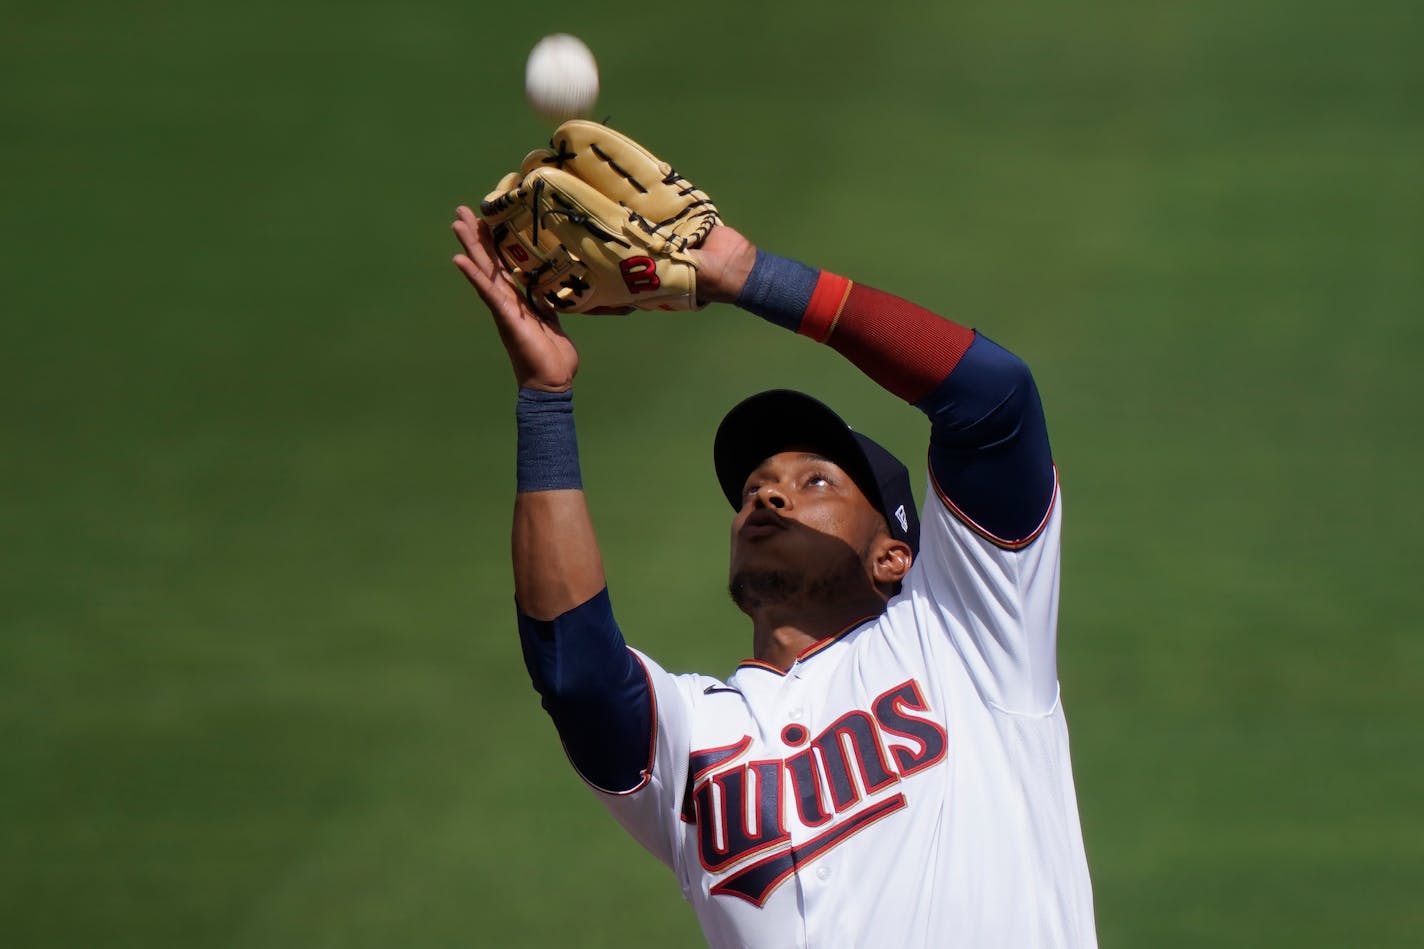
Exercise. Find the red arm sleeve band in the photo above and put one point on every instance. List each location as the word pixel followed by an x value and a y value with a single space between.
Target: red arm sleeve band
pixel 905 348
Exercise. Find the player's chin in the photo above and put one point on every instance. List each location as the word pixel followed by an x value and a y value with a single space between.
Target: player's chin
pixel 751 589
pixel 763 552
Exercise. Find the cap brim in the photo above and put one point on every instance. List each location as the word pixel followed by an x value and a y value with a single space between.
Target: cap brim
pixel 782 420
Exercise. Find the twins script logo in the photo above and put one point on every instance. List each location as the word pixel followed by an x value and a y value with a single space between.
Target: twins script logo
pixel 739 807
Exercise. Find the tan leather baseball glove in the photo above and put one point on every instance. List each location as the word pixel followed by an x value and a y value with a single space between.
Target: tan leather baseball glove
pixel 597 223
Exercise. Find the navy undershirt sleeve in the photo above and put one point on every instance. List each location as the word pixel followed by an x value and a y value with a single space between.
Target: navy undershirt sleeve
pixel 595 690
pixel 989 451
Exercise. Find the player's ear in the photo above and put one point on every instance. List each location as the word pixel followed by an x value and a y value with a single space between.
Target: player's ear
pixel 891 560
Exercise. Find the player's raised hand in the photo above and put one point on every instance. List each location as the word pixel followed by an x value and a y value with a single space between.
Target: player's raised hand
pixel 723 262
pixel 542 356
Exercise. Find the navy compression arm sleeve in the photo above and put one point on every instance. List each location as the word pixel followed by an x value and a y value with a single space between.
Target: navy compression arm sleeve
pixel 990 459
pixel 595 690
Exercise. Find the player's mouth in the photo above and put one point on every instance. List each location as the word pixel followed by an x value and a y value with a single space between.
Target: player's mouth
pixel 761 523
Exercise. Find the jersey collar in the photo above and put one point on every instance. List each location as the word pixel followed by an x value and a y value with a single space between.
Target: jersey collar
pixel 814 649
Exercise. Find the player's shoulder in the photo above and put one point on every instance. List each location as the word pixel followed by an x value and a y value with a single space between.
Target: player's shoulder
pixel 692 686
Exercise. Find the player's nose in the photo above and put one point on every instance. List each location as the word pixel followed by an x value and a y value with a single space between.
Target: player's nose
pixel 769 495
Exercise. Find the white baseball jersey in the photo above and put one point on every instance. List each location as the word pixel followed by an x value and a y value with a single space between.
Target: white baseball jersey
pixel 905 784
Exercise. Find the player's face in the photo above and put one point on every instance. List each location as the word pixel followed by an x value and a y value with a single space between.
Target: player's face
pixel 803 519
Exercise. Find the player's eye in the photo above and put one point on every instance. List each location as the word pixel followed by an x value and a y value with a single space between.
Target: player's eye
pixel 817 479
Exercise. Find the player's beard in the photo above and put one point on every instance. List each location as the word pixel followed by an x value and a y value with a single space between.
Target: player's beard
pixel 752 589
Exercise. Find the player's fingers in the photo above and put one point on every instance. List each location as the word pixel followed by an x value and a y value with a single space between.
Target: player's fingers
pixel 471 270
pixel 482 268
pixel 514 320
pixel 483 234
pixel 477 240
pixel 466 230
pixel 504 306
pixel 493 288
pixel 478 262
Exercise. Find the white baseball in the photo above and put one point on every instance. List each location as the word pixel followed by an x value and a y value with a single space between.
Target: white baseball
pixel 561 78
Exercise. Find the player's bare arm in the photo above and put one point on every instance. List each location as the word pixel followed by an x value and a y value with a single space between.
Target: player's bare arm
pixel 557 564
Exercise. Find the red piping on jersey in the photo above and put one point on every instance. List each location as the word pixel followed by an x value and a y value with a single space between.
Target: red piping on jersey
pixel 992 538
pixel 809 651
pixel 760 664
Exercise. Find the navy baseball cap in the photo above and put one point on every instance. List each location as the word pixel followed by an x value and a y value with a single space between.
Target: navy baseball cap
pixel 781 419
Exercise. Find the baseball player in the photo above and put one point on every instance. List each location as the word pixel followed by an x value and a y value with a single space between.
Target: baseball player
pixel 890 768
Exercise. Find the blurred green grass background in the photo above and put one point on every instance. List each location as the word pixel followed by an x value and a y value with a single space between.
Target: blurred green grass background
pixel 259 684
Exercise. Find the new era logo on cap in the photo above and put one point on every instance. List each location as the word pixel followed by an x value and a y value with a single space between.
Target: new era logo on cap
pixel 902 518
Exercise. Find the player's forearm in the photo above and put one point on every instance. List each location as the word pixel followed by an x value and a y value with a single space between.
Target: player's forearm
pixel 557 564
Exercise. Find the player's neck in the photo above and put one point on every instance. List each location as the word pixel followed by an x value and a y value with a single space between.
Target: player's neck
pixel 781 632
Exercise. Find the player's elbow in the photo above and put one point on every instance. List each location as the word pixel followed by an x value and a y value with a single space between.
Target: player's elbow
pixel 1018 402
pixel 574 687
pixel 986 400
pixel 578 657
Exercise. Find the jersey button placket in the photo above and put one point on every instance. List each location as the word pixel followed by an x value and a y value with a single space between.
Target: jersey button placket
pixel 796 714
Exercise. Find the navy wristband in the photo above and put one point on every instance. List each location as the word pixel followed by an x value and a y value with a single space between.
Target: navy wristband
pixel 778 289
pixel 547 451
